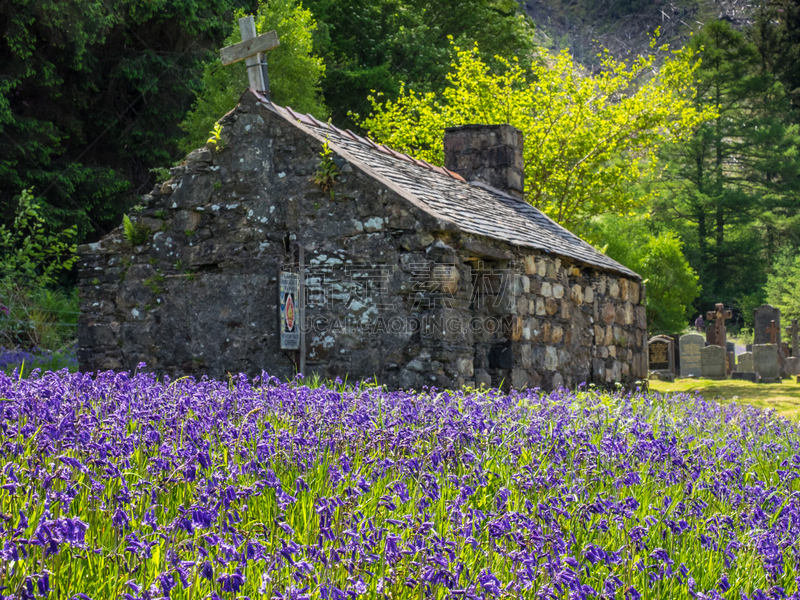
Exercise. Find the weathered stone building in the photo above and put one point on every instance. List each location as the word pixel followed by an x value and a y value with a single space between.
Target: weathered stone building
pixel 412 274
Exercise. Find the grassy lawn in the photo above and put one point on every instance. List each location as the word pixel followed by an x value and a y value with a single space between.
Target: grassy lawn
pixel 783 397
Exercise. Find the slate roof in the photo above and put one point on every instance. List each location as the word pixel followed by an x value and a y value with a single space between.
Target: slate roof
pixel 472 207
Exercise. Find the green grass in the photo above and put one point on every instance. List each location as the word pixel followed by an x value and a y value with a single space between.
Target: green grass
pixel 783 397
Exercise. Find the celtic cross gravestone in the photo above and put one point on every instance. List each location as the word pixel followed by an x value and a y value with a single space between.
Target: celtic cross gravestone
pixel 719 315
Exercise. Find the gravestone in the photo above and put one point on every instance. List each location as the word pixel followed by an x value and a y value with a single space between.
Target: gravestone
pixel 730 347
pixel 712 362
pixel 660 355
pixel 746 376
pixel 746 363
pixel 763 317
pixel 711 335
pixel 676 353
pixel 793 365
pixel 730 362
pixel 749 347
pixel 765 359
pixel 773 331
pixel 719 315
pixel 690 346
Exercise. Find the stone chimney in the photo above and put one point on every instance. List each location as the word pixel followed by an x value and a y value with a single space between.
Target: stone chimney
pixel 491 154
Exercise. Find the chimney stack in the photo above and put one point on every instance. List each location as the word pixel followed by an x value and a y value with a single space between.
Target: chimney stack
pixel 491 154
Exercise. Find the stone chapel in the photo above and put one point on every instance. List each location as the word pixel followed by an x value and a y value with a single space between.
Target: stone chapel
pixel 293 245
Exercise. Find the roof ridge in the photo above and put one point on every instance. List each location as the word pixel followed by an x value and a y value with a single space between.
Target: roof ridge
pixel 309 119
pixel 476 209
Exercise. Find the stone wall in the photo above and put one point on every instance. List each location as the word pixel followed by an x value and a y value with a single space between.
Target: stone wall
pixel 393 293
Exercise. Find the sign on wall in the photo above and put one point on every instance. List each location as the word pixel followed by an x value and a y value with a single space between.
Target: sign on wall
pixel 289 317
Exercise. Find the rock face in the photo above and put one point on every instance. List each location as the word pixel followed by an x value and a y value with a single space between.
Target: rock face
pixel 391 291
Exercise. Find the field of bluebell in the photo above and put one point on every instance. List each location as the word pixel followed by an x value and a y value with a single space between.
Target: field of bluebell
pixel 127 487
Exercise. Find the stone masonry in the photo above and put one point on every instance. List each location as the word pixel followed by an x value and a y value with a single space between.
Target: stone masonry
pixel 448 304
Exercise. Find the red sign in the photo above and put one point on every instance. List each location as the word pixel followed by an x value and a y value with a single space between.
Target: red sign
pixel 289 313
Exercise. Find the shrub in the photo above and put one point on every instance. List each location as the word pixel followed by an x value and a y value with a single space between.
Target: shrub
pixel 29 251
pixel 36 317
pixel 32 313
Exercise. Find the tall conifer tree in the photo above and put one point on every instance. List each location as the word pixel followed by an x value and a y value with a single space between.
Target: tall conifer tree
pixel 739 174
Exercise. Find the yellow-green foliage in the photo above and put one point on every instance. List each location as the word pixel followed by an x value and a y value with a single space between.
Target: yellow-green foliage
pixel 135 233
pixel 588 138
pixel 216 139
pixel 326 173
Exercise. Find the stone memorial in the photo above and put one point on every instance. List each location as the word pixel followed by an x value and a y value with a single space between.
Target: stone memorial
pixel 712 362
pixel 730 362
pixel 719 315
pixel 773 331
pixel 711 335
pixel 690 346
pixel 730 347
pixel 676 352
pixel 745 363
pixel 765 359
pixel 746 376
pixel 763 318
pixel 661 356
pixel 793 365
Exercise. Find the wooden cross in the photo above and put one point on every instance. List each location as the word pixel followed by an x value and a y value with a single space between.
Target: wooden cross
pixel 793 332
pixel 718 316
pixel 251 49
pixel 773 332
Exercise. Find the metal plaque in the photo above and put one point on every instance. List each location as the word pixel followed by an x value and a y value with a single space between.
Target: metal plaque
pixel 289 317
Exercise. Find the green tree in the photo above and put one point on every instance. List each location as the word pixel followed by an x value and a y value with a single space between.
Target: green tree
pixel 672 284
pixel 776 34
pixel 658 256
pixel 381 44
pixel 783 286
pixel 588 139
pixel 91 93
pixel 732 188
pixel 294 71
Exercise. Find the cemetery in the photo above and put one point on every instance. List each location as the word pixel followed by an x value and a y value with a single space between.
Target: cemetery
pixel 768 360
